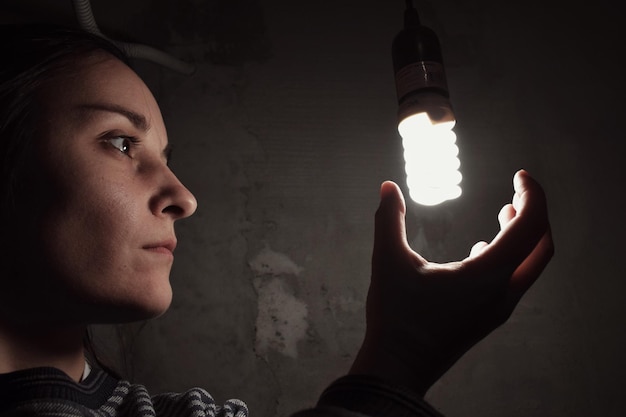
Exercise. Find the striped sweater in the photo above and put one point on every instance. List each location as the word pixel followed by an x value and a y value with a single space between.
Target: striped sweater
pixel 49 392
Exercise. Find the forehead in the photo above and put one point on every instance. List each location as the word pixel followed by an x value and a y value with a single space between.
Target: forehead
pixel 101 79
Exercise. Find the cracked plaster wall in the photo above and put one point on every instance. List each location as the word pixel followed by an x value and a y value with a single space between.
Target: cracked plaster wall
pixel 285 132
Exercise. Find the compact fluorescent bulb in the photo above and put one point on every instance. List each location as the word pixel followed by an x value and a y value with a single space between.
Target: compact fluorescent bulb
pixel 431 162
pixel 425 114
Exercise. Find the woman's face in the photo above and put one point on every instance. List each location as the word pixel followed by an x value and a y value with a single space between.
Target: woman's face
pixel 102 201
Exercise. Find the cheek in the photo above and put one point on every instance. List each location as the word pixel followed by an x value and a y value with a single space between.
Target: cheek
pixel 87 229
pixel 74 255
pixel 95 241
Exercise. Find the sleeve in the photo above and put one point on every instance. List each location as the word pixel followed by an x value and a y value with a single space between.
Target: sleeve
pixel 366 396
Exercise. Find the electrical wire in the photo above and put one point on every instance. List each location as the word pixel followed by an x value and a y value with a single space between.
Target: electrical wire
pixel 87 22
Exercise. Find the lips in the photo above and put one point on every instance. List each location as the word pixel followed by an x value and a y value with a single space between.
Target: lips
pixel 166 246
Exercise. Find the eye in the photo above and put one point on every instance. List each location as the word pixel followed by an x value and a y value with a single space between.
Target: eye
pixel 123 144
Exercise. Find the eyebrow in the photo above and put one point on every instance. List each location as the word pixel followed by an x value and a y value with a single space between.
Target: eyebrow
pixel 138 120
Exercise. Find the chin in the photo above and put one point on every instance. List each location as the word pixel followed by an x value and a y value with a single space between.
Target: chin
pixel 153 298
pixel 153 307
pixel 145 306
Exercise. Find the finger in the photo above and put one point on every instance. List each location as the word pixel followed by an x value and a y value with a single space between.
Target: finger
pixel 390 228
pixel 516 201
pixel 477 248
pixel 528 272
pixel 522 233
pixel 507 213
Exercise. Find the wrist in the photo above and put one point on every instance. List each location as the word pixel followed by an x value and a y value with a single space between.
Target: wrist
pixel 417 372
pixel 374 396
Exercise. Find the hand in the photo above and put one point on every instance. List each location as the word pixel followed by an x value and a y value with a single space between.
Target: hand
pixel 422 316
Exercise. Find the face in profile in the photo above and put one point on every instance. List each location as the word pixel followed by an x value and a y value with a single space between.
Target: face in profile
pixel 100 201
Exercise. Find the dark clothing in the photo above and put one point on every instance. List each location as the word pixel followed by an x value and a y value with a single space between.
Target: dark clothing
pixel 50 392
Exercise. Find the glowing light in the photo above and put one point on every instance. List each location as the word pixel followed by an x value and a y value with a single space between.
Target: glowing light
pixel 431 159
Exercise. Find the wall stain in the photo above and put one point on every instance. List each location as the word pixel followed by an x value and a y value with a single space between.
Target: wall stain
pixel 281 317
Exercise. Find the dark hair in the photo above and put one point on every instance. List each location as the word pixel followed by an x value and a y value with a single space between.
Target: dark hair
pixel 31 55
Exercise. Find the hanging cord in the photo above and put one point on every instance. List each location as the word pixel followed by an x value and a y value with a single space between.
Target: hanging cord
pixel 134 50
pixel 411 18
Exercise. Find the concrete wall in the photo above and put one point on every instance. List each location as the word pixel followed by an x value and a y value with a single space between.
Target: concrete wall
pixel 285 132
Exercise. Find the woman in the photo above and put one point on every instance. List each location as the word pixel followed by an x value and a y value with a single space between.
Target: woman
pixel 91 205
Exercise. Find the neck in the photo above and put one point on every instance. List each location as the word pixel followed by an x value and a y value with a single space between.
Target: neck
pixel 24 347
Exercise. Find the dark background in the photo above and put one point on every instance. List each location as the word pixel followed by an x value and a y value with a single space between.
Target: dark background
pixel 284 133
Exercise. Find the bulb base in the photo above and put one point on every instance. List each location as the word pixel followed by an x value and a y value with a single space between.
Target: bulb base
pixel 438 107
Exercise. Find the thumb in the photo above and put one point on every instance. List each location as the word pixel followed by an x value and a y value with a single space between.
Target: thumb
pixel 390 228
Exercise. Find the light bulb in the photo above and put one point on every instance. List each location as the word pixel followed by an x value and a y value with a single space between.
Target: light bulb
pixel 431 159
pixel 425 114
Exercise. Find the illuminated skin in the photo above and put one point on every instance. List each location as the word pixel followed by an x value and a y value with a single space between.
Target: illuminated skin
pixel 101 209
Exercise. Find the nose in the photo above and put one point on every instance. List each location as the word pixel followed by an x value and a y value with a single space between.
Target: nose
pixel 173 198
